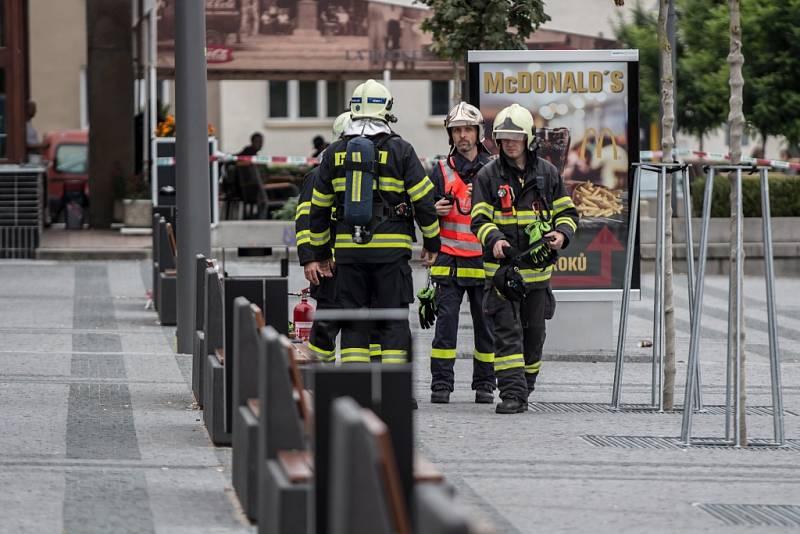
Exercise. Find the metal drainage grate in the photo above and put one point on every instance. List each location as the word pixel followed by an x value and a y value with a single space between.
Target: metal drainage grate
pixel 754 515
pixel 660 442
pixel 596 407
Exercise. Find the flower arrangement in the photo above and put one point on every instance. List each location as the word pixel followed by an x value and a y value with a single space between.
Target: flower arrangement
pixel 166 128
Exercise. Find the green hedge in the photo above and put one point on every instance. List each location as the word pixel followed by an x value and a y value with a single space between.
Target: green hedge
pixel 784 195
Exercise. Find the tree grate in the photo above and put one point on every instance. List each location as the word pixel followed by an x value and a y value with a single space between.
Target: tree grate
pixel 661 442
pixel 596 407
pixel 754 515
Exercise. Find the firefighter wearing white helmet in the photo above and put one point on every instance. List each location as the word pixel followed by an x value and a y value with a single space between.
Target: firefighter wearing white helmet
pixel 459 268
pixel 521 214
pixel 322 341
pixel 377 186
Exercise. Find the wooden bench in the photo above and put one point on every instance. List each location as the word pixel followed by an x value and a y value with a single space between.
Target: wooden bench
pixel 213 372
pixel 199 347
pixel 166 292
pixel 367 494
pixel 160 245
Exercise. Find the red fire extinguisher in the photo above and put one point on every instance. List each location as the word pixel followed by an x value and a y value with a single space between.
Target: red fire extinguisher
pixel 303 316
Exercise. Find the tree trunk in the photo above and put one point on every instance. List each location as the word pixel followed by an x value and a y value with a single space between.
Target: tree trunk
pixel 456 83
pixel 701 141
pixel 736 122
pixel 667 144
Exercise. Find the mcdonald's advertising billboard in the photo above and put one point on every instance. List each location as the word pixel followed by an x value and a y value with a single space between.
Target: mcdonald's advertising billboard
pixel 585 108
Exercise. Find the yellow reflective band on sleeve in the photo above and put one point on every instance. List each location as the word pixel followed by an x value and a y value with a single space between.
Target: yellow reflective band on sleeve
pixel 562 203
pixel 484 230
pixel 512 361
pixel 377 241
pixel 440 270
pixel 303 208
pixel 482 208
pixel 443 354
pixel 486 357
pixel 374 349
pixel 321 199
pixel 321 238
pixel 465 272
pixel 422 188
pixel 393 185
pixel 567 221
pixel 533 368
pixel 490 268
pixel 355 355
pixel 338 184
pixel 432 230
pixel 338 159
pixel 394 356
pixel 383 156
pixel 302 237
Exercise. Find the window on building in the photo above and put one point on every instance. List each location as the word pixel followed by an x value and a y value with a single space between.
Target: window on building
pixel 335 98
pixel 440 97
pixel 308 99
pixel 278 99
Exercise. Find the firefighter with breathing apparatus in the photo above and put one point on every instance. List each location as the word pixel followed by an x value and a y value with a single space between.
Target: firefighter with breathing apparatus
pixel 322 341
pixel 522 214
pixel 376 183
pixel 459 268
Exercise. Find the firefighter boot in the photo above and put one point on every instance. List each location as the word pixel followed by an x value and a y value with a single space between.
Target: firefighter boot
pixel 511 405
pixel 440 396
pixel 484 396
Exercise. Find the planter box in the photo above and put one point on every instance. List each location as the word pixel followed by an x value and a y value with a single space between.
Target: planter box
pixel 137 212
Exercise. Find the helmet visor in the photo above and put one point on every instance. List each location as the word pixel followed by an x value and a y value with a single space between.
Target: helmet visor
pixel 513 136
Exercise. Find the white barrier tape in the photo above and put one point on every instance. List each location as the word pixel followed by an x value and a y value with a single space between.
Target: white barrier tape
pixel 718 156
pixel 643 155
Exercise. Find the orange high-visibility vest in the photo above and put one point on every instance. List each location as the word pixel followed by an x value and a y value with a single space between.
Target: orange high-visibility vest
pixel 457 238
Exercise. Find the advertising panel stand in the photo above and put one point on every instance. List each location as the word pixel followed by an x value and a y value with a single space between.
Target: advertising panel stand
pixel 585 107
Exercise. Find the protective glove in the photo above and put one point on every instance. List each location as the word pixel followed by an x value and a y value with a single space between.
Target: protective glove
pixel 427 306
pixel 540 254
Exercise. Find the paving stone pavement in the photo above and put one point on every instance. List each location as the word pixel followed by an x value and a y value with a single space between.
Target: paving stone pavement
pixel 98 433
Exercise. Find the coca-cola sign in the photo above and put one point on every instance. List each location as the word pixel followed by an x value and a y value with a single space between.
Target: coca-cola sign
pixel 218 54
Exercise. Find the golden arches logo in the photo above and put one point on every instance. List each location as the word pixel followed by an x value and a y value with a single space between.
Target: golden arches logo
pixel 591 133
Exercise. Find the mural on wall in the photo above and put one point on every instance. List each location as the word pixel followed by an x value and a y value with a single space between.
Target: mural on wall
pixel 345 36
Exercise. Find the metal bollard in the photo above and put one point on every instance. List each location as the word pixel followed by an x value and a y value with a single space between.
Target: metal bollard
pixel 733 383
pixel 664 170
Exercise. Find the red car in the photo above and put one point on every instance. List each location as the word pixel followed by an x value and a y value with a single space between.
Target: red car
pixel 67 172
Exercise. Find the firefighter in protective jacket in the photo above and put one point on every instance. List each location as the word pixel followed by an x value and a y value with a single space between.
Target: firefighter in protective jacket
pixel 458 268
pixel 522 214
pixel 377 185
pixel 322 341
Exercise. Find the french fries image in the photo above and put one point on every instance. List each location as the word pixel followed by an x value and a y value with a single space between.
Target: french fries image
pixel 596 201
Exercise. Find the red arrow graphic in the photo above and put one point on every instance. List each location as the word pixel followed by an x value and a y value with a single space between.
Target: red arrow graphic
pixel 606 243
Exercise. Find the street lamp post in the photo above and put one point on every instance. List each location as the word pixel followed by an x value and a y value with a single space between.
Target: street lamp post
pixel 191 154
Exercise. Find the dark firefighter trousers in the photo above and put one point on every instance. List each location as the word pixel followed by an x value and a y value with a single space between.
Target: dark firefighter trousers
pixel 519 333
pixel 375 285
pixel 449 295
pixel 322 340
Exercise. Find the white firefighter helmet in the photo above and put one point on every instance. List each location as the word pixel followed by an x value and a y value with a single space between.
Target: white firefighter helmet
pixel 513 122
pixel 464 114
pixel 340 125
pixel 371 100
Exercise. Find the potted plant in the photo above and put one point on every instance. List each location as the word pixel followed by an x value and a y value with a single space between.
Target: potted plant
pixel 137 208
